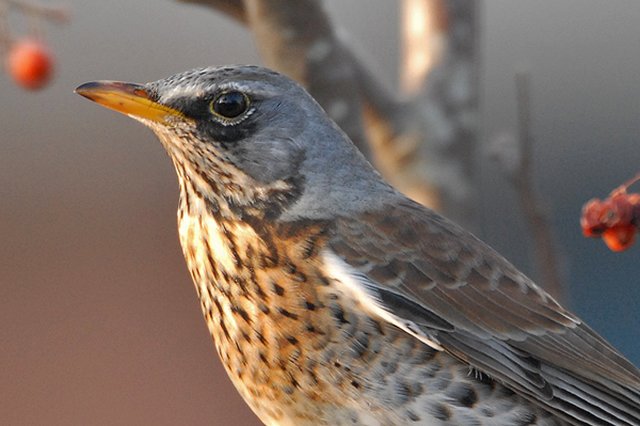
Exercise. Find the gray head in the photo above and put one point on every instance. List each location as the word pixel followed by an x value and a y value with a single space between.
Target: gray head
pixel 246 138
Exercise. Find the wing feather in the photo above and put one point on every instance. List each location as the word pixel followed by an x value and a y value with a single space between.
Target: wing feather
pixel 482 310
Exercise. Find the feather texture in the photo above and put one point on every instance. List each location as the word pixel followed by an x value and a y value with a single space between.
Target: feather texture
pixel 482 310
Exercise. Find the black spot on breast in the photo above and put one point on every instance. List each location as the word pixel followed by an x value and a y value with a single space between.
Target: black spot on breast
pixel 265 309
pixel 287 314
pixel 300 277
pixel 221 319
pixel 413 416
pixel 277 289
pixel 292 270
pixel 242 284
pixel 210 292
pixel 360 344
pixel 376 325
pixel 288 390
pixel 290 267
pixel 324 281
pixel 257 288
pixel 462 394
pixel 212 264
pixel 294 383
pixel 261 338
pixel 267 261
pixel 439 411
pixel 263 358
pixel 312 376
pixel 402 392
pixel 487 412
pixel 242 313
pixel 309 247
pixel 338 314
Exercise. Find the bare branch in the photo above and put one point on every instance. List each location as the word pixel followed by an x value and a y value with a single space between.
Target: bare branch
pixel 437 129
pixel 5 34
pixel 424 25
pixel 396 135
pixel 232 8
pixel 546 258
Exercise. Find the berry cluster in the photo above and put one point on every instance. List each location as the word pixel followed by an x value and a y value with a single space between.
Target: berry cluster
pixel 616 218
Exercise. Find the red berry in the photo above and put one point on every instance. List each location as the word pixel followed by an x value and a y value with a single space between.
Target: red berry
pixel 590 221
pixel 619 238
pixel 30 64
pixel 616 218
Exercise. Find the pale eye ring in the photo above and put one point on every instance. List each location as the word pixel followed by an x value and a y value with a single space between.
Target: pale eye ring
pixel 230 105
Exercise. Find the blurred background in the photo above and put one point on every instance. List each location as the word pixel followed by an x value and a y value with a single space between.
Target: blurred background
pixel 99 323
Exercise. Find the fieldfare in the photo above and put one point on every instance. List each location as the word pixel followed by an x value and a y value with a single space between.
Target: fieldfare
pixel 332 298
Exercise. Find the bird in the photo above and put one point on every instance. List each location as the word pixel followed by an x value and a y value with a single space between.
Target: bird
pixel 332 298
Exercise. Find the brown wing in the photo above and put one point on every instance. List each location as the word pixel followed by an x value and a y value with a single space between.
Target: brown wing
pixel 482 310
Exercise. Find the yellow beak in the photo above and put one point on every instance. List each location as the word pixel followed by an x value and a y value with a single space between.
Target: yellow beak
pixel 130 99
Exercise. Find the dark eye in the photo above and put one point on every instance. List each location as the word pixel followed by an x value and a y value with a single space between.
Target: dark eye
pixel 230 104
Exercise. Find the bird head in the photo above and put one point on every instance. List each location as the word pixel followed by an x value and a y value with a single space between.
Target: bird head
pixel 245 137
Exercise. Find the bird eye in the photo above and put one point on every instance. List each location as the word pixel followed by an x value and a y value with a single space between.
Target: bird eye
pixel 230 104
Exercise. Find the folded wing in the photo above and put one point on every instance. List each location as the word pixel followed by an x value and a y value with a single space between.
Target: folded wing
pixel 477 306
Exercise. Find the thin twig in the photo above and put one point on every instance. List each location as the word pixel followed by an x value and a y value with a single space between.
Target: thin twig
pixel 55 14
pixel 5 33
pixel 545 255
pixel 232 8
pixel 448 110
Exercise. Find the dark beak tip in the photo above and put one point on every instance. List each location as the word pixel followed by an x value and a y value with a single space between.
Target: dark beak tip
pixel 91 87
pixel 85 88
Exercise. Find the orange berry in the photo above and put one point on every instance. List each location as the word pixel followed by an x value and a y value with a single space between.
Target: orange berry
pixel 619 238
pixel 30 64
